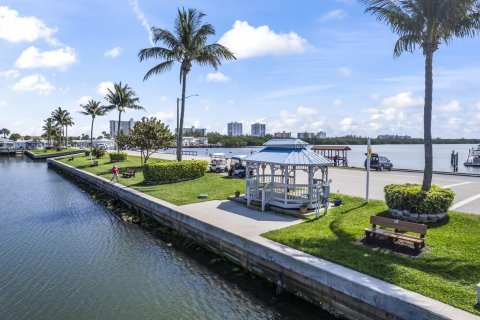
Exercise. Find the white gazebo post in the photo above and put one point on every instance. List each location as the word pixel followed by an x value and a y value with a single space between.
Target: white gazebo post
pixel 310 185
pixel 285 182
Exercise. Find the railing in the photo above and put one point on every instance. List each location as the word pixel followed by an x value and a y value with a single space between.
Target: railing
pixel 266 195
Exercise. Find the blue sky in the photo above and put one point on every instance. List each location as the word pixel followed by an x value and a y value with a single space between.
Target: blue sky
pixel 302 66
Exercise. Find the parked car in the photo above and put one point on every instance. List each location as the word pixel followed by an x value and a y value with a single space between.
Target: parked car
pixel 379 163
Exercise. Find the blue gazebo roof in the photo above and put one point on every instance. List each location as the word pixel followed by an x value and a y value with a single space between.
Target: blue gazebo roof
pixel 288 152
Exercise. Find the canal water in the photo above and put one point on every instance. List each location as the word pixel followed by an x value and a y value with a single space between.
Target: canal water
pixel 403 156
pixel 65 256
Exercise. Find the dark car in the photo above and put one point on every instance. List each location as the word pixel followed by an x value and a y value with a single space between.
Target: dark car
pixel 379 163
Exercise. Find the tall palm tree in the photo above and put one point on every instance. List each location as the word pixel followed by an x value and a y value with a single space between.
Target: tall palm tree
pixel 50 129
pixel 122 97
pixel 187 44
pixel 59 116
pixel 426 24
pixel 93 109
pixel 68 123
pixel 5 132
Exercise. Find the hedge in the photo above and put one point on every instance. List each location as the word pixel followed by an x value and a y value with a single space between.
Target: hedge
pixel 118 156
pixel 411 197
pixel 87 152
pixel 98 152
pixel 172 171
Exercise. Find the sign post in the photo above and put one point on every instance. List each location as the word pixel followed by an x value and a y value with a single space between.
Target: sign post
pixel 369 155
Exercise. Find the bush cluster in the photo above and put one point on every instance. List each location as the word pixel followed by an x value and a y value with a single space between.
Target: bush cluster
pixel 411 197
pixel 98 152
pixel 118 156
pixel 171 171
pixel 87 152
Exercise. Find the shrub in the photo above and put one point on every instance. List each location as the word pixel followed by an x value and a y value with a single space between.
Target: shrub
pixel 98 152
pixel 171 171
pixel 411 197
pixel 118 156
pixel 87 152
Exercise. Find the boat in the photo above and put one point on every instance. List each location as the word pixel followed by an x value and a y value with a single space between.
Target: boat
pixel 473 159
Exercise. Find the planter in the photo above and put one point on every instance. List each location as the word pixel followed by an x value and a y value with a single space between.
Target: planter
pixel 237 194
pixel 337 202
pixel 417 217
pixel 303 209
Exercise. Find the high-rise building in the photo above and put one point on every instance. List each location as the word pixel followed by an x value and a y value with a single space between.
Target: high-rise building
pixel 258 129
pixel 125 126
pixel 311 135
pixel 321 134
pixel 200 132
pixel 282 135
pixel 234 129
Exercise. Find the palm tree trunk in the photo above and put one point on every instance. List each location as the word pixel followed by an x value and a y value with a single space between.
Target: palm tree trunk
pixel 427 121
pixel 66 136
pixel 182 114
pixel 118 128
pixel 91 133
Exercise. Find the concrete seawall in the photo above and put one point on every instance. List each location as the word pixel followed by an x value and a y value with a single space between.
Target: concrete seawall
pixel 327 284
pixel 54 155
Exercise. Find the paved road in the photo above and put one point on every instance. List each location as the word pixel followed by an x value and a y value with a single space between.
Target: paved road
pixel 352 182
pixel 467 189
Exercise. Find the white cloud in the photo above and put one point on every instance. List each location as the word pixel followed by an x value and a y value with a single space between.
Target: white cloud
pixel 102 87
pixel 375 96
pixel 34 58
pixel 403 100
pixel 333 15
pixel 83 100
pixel 165 116
pixel 9 74
pixel 296 91
pixel 16 28
pixel 337 102
pixel 347 124
pixel 452 106
pixel 3 103
pixel 344 71
pixel 246 41
pixel 114 52
pixel 371 110
pixel 163 99
pixel 34 82
pixel 216 77
pixel 141 16
pixel 305 111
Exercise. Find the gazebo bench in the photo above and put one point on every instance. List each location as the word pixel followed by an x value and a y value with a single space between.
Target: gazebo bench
pixel 399 227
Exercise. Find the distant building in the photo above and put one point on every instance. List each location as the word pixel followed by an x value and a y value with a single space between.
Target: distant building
pixel 234 129
pixel 125 126
pixel 258 129
pixel 201 132
pixel 393 136
pixel 194 141
pixel 282 135
pixel 311 135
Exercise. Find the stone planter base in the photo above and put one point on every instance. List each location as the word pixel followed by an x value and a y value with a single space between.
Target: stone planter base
pixel 417 217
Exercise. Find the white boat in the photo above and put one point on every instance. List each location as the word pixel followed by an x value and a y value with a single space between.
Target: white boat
pixel 473 159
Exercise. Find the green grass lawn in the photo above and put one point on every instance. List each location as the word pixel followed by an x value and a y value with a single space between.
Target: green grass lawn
pixel 448 271
pixel 215 185
pixel 52 151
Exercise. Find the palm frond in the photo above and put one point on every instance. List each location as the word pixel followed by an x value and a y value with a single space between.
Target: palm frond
pixel 160 68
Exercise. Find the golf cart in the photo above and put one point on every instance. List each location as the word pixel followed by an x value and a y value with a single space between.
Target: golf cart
pixel 218 162
pixel 237 166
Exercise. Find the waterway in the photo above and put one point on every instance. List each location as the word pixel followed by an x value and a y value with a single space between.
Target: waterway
pixel 403 156
pixel 63 255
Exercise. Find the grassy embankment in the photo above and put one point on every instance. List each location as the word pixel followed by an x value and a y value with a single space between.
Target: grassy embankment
pixel 217 186
pixel 52 151
pixel 448 271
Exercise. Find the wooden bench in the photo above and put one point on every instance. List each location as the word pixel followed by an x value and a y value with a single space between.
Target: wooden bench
pixel 71 158
pixel 129 173
pixel 379 225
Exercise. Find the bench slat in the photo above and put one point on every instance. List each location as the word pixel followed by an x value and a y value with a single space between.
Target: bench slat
pixel 399 225
pixel 394 235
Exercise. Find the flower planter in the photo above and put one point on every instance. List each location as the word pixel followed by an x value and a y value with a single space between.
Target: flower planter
pixel 337 202
pixel 417 217
pixel 303 209
pixel 237 194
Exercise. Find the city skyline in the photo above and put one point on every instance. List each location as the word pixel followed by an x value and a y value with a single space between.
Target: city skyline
pixel 329 69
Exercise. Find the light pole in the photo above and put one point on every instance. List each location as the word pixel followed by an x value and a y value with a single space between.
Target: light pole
pixel 178 122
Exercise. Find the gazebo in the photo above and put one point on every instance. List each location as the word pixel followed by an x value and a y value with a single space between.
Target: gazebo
pixel 287 175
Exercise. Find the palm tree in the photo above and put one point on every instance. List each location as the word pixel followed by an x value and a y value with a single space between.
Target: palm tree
pixel 426 24
pixel 5 132
pixel 187 44
pixel 51 129
pixel 122 97
pixel 93 109
pixel 59 117
pixel 68 123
